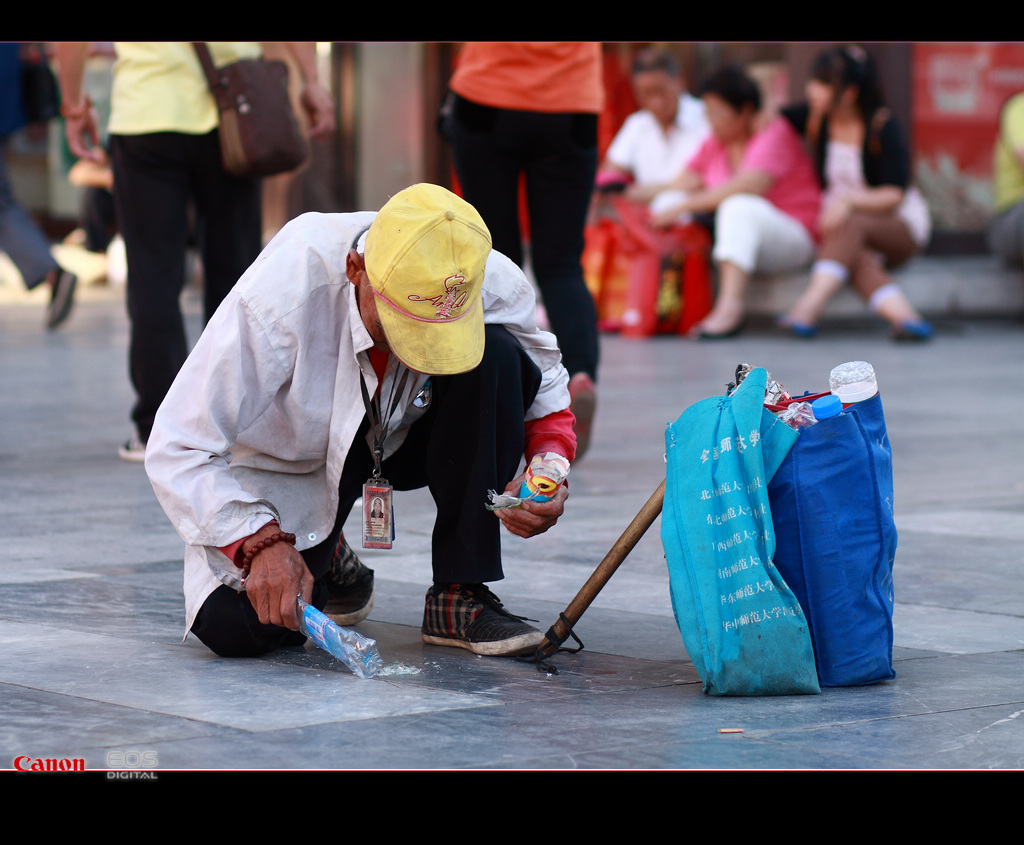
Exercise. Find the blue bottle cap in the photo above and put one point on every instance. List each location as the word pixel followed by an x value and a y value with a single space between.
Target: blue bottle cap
pixel 826 406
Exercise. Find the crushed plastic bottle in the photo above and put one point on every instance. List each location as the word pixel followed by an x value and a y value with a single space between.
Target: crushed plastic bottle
pixel 543 476
pixel 357 652
pixel 798 415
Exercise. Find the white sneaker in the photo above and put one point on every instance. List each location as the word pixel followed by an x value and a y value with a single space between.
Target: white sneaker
pixel 133 450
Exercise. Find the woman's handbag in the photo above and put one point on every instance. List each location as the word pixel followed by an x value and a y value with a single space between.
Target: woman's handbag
pixel 832 506
pixel 259 133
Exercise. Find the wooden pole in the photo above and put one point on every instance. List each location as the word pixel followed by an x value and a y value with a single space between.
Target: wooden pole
pixel 605 569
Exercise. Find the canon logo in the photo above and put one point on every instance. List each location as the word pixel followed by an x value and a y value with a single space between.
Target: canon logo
pixel 48 764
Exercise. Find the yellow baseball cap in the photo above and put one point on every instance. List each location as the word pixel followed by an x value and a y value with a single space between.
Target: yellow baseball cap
pixel 425 255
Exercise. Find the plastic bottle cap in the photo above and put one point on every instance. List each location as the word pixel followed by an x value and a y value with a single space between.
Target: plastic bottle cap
pixel 826 406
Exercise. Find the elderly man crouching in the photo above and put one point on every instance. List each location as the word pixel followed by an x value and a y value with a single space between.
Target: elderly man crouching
pixel 360 353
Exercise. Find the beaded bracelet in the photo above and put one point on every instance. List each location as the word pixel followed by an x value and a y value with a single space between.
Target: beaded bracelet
pixel 266 542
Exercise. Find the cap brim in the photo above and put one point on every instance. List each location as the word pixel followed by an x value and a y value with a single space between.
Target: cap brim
pixel 435 348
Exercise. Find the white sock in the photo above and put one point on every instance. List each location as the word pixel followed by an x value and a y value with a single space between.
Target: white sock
pixel 884 293
pixel 832 268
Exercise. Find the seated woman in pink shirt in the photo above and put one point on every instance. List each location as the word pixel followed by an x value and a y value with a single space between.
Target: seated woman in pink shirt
pixel 760 185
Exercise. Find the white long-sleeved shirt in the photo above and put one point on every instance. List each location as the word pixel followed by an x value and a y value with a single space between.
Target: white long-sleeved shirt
pixel 260 419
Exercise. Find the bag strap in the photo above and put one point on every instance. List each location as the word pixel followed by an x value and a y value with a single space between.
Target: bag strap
pixel 206 60
pixel 218 85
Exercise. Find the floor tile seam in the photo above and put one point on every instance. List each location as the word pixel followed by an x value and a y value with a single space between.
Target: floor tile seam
pixel 102 570
pixel 980 612
pixel 23 581
pixel 1001 501
pixel 940 653
pixel 949 652
pixel 766 733
pixel 115 576
pixel 563 693
pixel 162 714
pixel 150 638
pixel 248 731
pixel 480 702
pixel 140 739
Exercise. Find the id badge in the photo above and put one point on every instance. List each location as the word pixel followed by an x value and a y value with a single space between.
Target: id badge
pixel 378 515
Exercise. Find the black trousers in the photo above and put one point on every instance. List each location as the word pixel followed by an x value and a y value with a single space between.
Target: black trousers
pixel 469 441
pixel 557 155
pixel 169 187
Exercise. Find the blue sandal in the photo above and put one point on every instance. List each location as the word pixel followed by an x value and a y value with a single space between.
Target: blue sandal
pixel 801 330
pixel 914 330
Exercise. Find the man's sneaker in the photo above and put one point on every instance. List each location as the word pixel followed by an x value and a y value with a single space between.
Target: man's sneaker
pixel 351 587
pixel 62 297
pixel 583 403
pixel 470 616
pixel 134 450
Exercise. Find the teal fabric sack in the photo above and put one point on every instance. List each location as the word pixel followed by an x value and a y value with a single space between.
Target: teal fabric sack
pixel 741 624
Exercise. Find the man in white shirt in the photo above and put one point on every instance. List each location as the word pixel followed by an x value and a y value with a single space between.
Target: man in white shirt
pixel 360 351
pixel 656 142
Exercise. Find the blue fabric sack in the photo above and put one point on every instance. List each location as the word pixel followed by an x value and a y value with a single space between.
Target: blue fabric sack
pixel 832 505
pixel 741 624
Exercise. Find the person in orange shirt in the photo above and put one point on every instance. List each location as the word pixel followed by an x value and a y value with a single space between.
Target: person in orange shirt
pixel 530 108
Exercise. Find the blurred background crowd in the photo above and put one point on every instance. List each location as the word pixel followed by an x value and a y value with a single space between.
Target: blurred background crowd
pixel 707 164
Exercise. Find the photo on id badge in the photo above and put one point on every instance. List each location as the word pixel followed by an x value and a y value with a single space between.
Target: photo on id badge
pixel 378 526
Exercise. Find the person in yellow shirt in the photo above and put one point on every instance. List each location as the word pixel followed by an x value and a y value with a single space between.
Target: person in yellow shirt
pixel 1006 230
pixel 170 186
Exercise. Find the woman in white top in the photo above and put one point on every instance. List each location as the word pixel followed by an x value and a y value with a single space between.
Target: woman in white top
pixel 872 219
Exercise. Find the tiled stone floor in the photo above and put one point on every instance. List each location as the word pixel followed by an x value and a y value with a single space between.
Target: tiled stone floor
pixel 93 667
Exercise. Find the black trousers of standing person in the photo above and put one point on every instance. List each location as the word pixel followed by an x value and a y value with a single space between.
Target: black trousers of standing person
pixel 470 440
pixel 557 153
pixel 169 187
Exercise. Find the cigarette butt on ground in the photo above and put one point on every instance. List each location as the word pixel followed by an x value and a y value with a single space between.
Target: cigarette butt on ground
pixel 730 730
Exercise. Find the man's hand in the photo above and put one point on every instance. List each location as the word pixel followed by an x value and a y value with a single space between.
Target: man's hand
pixel 83 135
pixel 314 97
pixel 668 218
pixel 277 576
pixel 532 518
pixel 319 107
pixel 81 126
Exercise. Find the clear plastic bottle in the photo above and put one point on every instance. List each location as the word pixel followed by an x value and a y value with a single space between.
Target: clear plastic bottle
pixel 853 382
pixel 357 652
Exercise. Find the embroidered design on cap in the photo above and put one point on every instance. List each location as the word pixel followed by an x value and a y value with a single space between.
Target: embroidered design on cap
pixel 453 298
